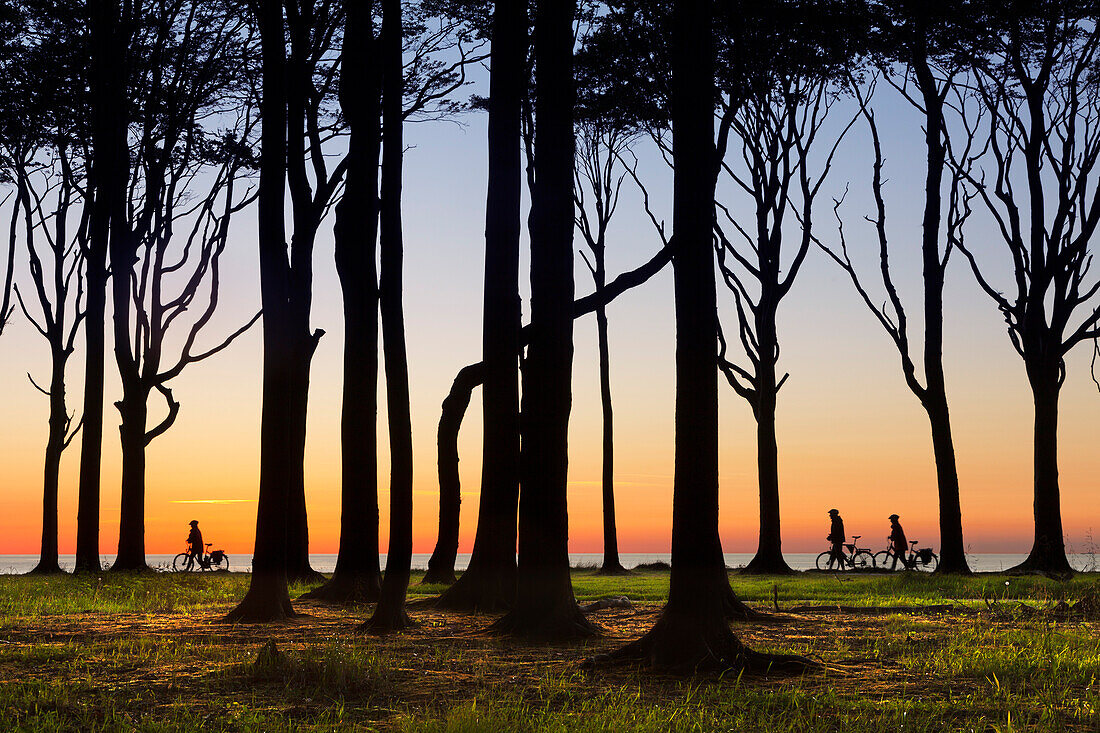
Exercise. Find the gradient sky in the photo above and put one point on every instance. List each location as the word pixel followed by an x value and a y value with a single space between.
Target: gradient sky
pixel 850 433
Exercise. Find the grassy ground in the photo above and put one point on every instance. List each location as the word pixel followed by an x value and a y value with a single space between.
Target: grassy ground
pixel 150 653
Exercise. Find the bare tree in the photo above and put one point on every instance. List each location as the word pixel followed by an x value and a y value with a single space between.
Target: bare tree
pixel 1034 113
pixel 599 171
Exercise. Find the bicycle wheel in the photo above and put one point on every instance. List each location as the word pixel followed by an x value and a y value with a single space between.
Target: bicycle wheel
pixel 179 563
pixel 882 559
pixel 221 567
pixel 827 561
pixel 863 560
pixel 927 567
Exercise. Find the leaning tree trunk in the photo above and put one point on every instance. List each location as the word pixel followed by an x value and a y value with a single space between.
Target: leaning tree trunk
pixel 357 578
pixel 545 605
pixel 692 632
pixel 390 615
pixel 611 564
pixel 55 446
pixel 131 528
pixel 952 550
pixel 268 598
pixel 489 582
pixel 1048 553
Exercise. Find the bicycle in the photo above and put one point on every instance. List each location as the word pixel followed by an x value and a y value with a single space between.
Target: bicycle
pixel 216 561
pixel 923 559
pixel 858 558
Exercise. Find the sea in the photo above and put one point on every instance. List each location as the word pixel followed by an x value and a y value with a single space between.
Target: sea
pixel 982 563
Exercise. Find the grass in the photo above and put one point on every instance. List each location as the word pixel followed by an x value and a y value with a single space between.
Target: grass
pixel 147 653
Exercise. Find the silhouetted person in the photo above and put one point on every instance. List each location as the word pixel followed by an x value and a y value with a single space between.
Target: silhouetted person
pixel 898 542
pixel 194 544
pixel 837 537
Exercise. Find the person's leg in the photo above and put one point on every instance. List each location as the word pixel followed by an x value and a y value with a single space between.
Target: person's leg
pixel 894 560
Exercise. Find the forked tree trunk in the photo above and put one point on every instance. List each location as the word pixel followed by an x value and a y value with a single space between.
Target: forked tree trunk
pixel 545 605
pixel 268 598
pixel 357 578
pixel 692 633
pixel 390 614
pixel 131 528
pixel 1048 552
pixel 489 582
pixel 55 446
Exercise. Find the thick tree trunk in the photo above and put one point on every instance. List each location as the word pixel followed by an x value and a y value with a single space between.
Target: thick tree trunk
pixel 55 446
pixel 390 615
pixel 545 605
pixel 611 564
pixel 357 578
pixel 1048 553
pixel 489 582
pixel 131 529
pixel 692 632
pixel 268 598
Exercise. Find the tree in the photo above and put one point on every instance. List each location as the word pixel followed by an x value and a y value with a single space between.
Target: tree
pixel 600 147
pixel 1031 146
pixel 778 82
pixel 489 582
pixel 692 632
pixel 268 597
pixel 545 605
pixel 928 41
pixel 185 174
pixel 390 614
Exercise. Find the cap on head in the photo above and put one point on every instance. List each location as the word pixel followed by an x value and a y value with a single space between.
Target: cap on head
pixel 833 512
pixel 893 517
pixel 194 522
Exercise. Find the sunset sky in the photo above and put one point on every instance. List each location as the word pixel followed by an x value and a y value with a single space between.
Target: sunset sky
pixel 851 435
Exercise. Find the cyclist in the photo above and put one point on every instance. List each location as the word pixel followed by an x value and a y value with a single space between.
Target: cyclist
pixel 194 545
pixel 898 543
pixel 837 537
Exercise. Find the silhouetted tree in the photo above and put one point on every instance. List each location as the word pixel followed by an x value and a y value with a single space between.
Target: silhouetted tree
pixel 184 174
pixel 1035 113
pixel 390 614
pixel 927 42
pixel 778 83
pixel 692 632
pixel 545 605
pixel 489 582
pixel 598 169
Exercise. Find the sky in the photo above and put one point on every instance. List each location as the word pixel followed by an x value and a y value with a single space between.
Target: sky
pixel 850 434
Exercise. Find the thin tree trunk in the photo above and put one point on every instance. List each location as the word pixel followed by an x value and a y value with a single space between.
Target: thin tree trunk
pixel 390 615
pixel 611 564
pixel 55 446
pixel 299 569
pixel 545 605
pixel 489 582
pixel 357 578
pixel 1048 553
pixel 952 550
pixel 131 529
pixel 769 552
pixel 268 598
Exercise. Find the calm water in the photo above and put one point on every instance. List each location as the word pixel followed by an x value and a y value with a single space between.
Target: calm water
pixel 13 564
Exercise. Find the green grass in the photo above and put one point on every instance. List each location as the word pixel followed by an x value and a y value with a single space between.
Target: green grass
pixel 144 653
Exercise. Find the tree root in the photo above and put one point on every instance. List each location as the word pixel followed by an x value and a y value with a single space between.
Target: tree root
pixel 479 591
pixel 760 565
pixel 346 589
pixel 266 601
pixel 562 623
pixel 387 621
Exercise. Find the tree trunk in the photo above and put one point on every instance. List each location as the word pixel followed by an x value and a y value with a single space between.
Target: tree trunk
pixel 390 615
pixel 611 564
pixel 1048 553
pixel 55 446
pixel 769 552
pixel 952 548
pixel 545 605
pixel 489 582
pixel 692 633
pixel 357 578
pixel 131 529
pixel 299 569
pixel 268 598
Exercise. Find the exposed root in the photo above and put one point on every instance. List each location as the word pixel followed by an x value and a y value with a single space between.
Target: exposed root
pixel 47 568
pixel 266 601
pixel 346 590
pixel 307 576
pixel 480 591
pixel 387 621
pixel 767 565
pixel 545 623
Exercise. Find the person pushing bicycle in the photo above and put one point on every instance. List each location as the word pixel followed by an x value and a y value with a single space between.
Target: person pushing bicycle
pixel 836 536
pixel 898 543
pixel 194 544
